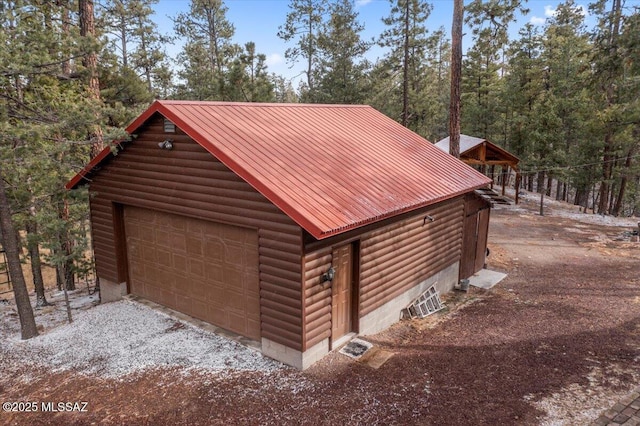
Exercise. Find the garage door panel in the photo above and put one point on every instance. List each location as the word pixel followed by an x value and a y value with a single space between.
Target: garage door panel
pixel 232 253
pixel 197 291
pixel 200 310
pixel 194 244
pixel 184 303
pixel 250 261
pixel 179 262
pixel 196 227
pixel 236 300
pixel 162 238
pixel 213 271
pixel 214 295
pixel 146 234
pixel 196 268
pixel 234 278
pixel 164 256
pixel 149 254
pixel 218 315
pixel 214 249
pixel 238 321
pixel 178 242
pixel 205 269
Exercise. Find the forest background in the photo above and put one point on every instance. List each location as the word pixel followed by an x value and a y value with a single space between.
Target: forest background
pixel 562 94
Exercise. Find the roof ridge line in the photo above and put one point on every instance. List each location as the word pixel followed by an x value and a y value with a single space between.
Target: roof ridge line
pixel 259 104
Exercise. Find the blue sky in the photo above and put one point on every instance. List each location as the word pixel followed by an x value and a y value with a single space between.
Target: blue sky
pixel 258 21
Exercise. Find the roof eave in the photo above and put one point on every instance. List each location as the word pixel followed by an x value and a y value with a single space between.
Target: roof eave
pixel 330 233
pixel 82 177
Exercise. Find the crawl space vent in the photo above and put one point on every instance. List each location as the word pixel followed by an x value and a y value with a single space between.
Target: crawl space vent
pixel 428 303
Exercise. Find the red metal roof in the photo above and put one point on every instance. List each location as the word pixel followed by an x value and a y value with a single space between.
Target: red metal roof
pixel 331 168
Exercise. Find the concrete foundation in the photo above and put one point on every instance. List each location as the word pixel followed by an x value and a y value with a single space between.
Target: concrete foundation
pixel 389 313
pixel 292 357
pixel 112 292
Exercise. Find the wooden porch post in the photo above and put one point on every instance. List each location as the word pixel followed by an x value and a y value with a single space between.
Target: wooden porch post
pixel 492 170
pixel 505 171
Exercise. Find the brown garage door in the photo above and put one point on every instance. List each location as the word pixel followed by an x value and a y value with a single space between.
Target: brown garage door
pixel 205 269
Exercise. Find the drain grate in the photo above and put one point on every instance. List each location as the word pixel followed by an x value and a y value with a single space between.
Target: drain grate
pixel 355 348
pixel 428 303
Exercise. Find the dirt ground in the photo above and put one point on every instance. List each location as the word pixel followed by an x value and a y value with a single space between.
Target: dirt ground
pixel 555 343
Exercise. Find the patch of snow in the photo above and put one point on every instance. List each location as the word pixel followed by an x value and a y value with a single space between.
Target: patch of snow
pixel 580 404
pixel 569 211
pixel 120 338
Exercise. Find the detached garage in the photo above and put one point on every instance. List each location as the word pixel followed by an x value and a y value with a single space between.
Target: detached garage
pixel 297 226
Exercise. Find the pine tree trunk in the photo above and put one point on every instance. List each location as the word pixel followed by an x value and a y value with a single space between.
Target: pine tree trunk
pixel 36 266
pixel 12 250
pixel 143 47
pixel 90 62
pixel 540 183
pixel 123 42
pixel 67 249
pixel 64 16
pixel 405 70
pixel 578 200
pixel 456 78
pixel 612 197
pixel 58 279
pixel 623 183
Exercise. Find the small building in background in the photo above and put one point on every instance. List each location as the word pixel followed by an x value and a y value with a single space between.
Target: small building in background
pixel 296 226
pixel 486 156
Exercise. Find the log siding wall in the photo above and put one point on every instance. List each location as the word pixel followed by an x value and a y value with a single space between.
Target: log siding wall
pixel 392 260
pixel 400 256
pixel 189 181
pixel 317 297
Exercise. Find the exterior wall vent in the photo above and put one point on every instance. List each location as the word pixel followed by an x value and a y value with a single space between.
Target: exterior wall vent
pixel 169 127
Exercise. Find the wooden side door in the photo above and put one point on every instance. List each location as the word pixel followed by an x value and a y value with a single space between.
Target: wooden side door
pixel 341 321
pixel 469 246
pixel 482 233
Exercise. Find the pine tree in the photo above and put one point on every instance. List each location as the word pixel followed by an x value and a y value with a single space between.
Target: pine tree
pixel 248 79
pixel 342 68
pixel 431 96
pixel 283 89
pixel 406 37
pixel 522 90
pixel 303 26
pixel 489 22
pixel 565 45
pixel 136 40
pixel 208 51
